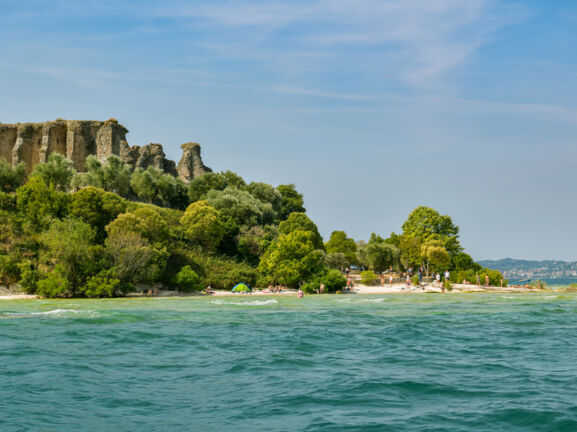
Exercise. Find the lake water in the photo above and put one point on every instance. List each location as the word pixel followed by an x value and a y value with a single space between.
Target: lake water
pixel 463 362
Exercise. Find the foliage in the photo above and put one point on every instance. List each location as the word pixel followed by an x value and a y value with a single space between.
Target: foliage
pixel 291 201
pixel 333 280
pixel 11 178
pixel 154 186
pixel 187 280
pixel 68 245
pixel 337 261
pixel 203 225
pixel 39 202
pixel 425 223
pixel 55 284
pixel 254 241
pixel 368 277
pixel 135 259
pixel 57 171
pixel 266 194
pixel 145 221
pixel 222 273
pixel 104 284
pixel 112 176
pixel 9 269
pixel 291 258
pixel 410 251
pixel 241 206
pixel 340 243
pixel 381 255
pixel 301 222
pixel 96 207
pixel 433 253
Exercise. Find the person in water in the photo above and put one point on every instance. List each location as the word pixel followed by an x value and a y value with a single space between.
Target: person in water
pixel 300 293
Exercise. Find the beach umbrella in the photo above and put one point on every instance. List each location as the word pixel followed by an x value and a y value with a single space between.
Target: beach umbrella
pixel 241 287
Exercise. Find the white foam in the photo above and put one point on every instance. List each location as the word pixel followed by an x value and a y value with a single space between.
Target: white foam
pixel 245 303
pixel 59 313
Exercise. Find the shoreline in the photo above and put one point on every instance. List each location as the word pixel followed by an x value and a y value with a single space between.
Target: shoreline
pixel 357 290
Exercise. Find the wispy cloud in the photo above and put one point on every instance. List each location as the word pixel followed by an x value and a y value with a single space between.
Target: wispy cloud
pixel 428 38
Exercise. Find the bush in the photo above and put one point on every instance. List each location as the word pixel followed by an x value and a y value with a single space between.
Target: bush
pixel 448 286
pixel 415 280
pixel 104 284
pixel 29 277
pixel 368 277
pixel 54 285
pixel 186 280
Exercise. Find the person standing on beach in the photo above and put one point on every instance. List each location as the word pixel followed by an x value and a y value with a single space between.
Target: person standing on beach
pixel 487 280
pixel 391 278
pixel 420 276
pixel 409 282
pixel 300 293
pixel 478 281
pixel 438 277
pixel 447 275
pixel 322 290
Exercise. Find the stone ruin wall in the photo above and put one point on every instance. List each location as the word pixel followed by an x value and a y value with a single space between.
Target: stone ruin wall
pixel 32 143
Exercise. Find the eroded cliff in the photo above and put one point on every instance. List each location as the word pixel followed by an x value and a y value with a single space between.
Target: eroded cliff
pixel 32 143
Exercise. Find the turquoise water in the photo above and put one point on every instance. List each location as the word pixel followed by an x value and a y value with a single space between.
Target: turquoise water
pixel 471 362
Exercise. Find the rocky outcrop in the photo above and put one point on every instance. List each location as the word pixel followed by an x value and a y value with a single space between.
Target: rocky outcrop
pixel 190 165
pixel 32 143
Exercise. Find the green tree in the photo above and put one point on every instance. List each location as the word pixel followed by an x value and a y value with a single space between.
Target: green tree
pixel 340 243
pixel 241 206
pixel 410 251
pixel 104 284
pixel 380 254
pixel 11 178
pixel 144 221
pixel 429 252
pixel 301 222
pixel 267 194
pixel 187 280
pixel 134 258
pixel 57 171
pixel 254 241
pixel 68 246
pixel 425 223
pixel 153 185
pixel 199 187
pixel 291 201
pixel 55 284
pixel 96 207
pixel 291 258
pixel 203 224
pixel 112 176
pixel 9 269
pixel 39 202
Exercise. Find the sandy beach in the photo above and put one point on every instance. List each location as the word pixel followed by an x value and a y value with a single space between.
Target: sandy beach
pixel 358 290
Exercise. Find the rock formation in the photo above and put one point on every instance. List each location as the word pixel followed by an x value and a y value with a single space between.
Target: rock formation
pixel 32 143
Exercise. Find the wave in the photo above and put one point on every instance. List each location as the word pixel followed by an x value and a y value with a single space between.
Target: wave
pixel 245 303
pixel 55 313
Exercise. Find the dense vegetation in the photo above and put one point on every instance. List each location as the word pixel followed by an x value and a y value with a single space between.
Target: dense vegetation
pixel 108 230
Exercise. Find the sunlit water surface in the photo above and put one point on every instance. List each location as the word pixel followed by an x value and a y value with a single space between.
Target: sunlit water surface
pixel 470 362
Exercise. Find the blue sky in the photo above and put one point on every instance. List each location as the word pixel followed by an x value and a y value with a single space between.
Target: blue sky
pixel 371 107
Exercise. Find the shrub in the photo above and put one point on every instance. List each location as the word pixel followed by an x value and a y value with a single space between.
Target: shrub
pixel 54 285
pixel 186 280
pixel 104 284
pixel 368 277
pixel 29 277
pixel 415 280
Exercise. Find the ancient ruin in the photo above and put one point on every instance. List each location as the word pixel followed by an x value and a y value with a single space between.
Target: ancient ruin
pixel 32 143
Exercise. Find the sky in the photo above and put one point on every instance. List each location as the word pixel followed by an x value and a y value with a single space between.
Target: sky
pixel 370 107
